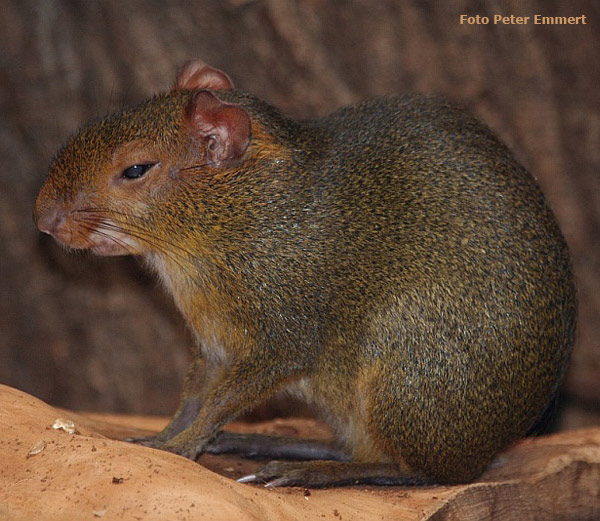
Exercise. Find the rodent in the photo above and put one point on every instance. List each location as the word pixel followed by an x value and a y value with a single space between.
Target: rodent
pixel 392 264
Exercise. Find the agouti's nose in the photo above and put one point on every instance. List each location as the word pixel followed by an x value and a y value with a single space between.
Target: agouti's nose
pixel 51 221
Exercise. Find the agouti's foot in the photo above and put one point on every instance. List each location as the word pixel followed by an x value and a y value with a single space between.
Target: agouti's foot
pixel 316 474
pixel 251 445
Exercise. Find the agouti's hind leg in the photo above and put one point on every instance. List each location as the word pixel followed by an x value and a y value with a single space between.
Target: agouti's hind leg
pixel 190 404
pixel 331 473
pixel 274 447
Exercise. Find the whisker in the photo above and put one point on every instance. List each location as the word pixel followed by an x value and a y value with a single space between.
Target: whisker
pixel 88 240
pixel 94 230
pixel 98 230
pixel 176 257
pixel 173 251
pixel 145 236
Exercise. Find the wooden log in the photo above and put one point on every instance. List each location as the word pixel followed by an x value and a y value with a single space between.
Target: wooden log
pixel 50 474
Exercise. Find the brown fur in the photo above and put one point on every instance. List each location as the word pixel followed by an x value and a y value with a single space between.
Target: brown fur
pixel 392 264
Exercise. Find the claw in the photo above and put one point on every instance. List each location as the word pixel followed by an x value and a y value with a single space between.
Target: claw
pixel 247 479
pixel 279 482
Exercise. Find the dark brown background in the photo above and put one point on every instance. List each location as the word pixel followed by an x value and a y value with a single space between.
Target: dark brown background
pixel 94 333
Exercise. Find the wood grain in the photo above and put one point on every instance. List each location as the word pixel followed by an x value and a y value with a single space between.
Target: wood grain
pixel 88 475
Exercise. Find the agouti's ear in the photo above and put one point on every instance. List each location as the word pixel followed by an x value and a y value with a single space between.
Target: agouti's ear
pixel 196 75
pixel 223 130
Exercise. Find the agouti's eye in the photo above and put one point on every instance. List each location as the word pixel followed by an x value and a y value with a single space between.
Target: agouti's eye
pixel 136 171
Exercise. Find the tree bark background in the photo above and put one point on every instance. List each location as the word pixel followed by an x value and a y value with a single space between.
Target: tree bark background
pixel 98 333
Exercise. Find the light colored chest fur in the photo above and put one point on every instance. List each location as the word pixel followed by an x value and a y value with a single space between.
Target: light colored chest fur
pixel 210 330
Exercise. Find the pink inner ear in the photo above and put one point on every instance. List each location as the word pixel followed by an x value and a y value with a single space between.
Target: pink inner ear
pixel 195 75
pixel 226 127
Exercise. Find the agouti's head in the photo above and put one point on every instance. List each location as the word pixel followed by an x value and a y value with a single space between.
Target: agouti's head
pixel 104 183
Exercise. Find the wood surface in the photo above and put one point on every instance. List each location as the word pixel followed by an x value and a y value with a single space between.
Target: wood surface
pixel 90 475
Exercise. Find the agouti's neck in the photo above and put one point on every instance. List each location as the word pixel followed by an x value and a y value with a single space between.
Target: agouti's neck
pixel 238 220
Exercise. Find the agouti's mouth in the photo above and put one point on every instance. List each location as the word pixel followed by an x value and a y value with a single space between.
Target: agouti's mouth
pixel 85 231
pixel 108 240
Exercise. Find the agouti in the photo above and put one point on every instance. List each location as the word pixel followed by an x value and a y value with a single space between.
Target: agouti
pixel 391 264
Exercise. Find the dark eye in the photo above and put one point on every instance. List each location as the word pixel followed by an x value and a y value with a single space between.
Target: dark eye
pixel 136 171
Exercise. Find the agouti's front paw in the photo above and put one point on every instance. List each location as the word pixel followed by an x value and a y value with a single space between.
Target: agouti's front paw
pixel 185 444
pixel 155 442
pixel 189 452
pixel 174 445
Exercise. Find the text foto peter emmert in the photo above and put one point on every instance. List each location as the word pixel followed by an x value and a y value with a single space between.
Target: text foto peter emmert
pixel 512 19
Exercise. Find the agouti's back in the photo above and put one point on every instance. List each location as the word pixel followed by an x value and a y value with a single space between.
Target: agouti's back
pixel 446 277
